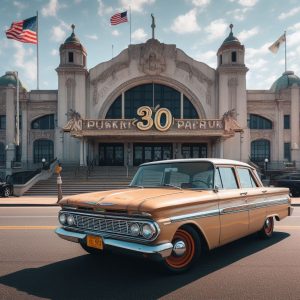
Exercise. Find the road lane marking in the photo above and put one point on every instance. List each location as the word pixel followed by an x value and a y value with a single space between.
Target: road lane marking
pixel 287 227
pixel 27 227
pixel 28 216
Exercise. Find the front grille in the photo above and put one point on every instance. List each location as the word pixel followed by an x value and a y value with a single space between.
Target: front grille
pixel 101 224
pixel 107 225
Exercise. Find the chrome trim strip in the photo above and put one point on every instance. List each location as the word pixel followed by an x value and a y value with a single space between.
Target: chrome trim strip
pixel 229 210
pixel 197 215
pixel 163 250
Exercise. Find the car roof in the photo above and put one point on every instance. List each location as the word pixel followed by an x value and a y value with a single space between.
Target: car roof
pixel 215 161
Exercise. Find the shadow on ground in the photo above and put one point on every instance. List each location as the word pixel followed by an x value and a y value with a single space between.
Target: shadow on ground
pixel 123 277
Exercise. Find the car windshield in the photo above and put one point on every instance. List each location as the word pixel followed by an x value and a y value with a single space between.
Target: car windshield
pixel 182 175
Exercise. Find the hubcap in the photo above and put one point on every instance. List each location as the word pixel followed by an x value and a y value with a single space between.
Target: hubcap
pixel 179 248
pixel 6 192
pixel 267 222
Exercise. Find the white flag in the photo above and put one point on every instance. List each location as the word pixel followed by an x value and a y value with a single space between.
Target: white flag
pixel 275 46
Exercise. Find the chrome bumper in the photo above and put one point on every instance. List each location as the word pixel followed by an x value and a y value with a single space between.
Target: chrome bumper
pixel 163 250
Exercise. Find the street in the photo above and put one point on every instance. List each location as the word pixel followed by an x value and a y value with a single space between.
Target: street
pixel 36 264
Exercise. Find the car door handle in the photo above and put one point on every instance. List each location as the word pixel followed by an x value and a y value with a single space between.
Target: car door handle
pixel 243 194
pixel 264 191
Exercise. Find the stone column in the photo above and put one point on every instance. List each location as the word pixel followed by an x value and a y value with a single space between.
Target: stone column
pixel 82 152
pixel 295 123
pixel 24 135
pixel 10 128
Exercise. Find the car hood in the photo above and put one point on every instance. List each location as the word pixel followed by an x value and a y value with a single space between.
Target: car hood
pixel 136 199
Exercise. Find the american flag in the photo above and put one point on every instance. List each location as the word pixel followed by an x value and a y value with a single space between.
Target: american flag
pixel 23 31
pixel 119 18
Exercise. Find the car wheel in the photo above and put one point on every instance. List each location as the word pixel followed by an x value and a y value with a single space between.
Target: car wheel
pixel 267 231
pixel 6 192
pixel 186 250
pixel 91 250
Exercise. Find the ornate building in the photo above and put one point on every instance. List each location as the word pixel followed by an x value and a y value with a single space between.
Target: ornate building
pixel 150 102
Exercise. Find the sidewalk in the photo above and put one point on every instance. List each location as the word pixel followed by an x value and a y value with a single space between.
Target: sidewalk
pixel 29 201
pixel 51 201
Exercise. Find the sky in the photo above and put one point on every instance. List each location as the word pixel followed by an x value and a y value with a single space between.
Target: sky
pixel 198 27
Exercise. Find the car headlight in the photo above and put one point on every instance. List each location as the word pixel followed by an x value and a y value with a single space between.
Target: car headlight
pixel 148 230
pixel 62 219
pixel 134 229
pixel 70 220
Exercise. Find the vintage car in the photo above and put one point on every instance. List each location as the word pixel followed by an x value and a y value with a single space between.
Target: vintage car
pixel 6 189
pixel 175 209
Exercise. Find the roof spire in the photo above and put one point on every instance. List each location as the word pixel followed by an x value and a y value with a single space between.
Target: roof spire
pixel 230 26
pixel 153 26
pixel 73 27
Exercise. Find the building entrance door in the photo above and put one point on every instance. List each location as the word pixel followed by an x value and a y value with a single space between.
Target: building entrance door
pixel 194 150
pixel 151 152
pixel 111 154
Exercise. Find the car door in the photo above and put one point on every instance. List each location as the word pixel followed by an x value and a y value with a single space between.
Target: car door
pixel 255 196
pixel 234 218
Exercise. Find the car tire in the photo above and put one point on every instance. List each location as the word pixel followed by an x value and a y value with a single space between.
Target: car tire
pixel 91 250
pixel 267 231
pixel 188 238
pixel 6 192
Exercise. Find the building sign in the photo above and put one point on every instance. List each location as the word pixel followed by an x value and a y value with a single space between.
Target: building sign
pixel 159 119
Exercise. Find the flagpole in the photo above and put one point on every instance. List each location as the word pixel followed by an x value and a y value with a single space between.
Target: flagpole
pixel 17 140
pixel 130 25
pixel 285 50
pixel 37 50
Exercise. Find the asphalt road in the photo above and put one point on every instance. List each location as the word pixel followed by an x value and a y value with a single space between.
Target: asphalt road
pixel 36 264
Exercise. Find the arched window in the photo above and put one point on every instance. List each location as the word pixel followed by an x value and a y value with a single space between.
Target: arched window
pixel 43 149
pixel 44 122
pixel 151 94
pixel 259 122
pixel 115 110
pixel 2 154
pixel 260 149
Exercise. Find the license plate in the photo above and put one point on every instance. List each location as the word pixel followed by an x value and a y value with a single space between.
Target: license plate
pixel 94 242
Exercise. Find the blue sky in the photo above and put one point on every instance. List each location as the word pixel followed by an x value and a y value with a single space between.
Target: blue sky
pixel 198 27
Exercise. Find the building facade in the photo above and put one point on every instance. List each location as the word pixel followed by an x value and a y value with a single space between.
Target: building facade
pixel 150 102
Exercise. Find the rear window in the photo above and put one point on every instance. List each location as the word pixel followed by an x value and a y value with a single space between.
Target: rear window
pixel 225 178
pixel 246 178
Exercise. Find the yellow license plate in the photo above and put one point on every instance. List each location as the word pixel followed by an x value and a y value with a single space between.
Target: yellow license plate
pixel 94 242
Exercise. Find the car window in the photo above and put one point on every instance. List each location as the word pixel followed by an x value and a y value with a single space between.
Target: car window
pixel 246 178
pixel 227 178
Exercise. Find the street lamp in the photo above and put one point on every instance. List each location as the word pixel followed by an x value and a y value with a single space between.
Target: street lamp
pixel 266 166
pixel 43 162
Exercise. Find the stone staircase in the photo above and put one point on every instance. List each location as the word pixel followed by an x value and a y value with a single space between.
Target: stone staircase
pixel 77 180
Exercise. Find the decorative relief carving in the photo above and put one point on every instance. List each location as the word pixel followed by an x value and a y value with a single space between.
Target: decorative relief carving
pixel 41 134
pixel 192 71
pixel 110 72
pixel 152 58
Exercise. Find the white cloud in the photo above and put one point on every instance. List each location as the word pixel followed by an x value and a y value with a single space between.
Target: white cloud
pixel 92 37
pixel 216 29
pixel 293 39
pixel 54 52
pixel 294 27
pixel 201 3
pixel 136 5
pixel 253 53
pixel 103 9
pixel 115 33
pixel 238 14
pixel 25 61
pixel 245 3
pixel 57 34
pixel 246 34
pixel 290 13
pixel 139 35
pixel 208 57
pixel 186 23
pixel 50 9
pixel 19 5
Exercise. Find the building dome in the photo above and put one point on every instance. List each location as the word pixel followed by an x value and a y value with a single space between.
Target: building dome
pixel 286 80
pixel 72 42
pixel 231 42
pixel 9 79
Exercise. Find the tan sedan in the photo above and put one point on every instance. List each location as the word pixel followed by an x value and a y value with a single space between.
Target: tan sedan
pixel 175 209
